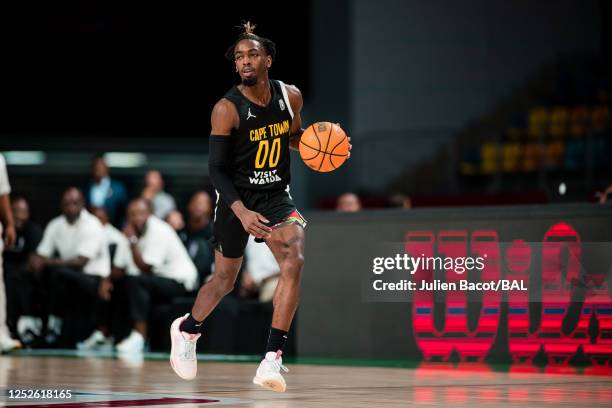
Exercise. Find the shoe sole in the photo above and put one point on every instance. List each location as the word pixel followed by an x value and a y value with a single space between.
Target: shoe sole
pixel 270 384
pixel 172 363
pixel 8 350
pixel 97 347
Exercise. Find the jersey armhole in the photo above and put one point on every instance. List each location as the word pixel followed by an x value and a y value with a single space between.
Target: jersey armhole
pixel 286 97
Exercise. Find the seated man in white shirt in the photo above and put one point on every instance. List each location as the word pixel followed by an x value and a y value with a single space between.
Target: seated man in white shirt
pixel 166 270
pixel 111 300
pixel 78 238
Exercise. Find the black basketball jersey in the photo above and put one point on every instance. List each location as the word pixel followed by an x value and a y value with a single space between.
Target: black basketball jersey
pixel 260 145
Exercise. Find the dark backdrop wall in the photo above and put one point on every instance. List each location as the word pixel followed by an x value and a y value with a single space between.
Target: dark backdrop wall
pixel 134 70
pixel 423 71
pixel 419 71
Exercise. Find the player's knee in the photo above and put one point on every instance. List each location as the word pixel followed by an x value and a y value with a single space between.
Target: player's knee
pixel 294 263
pixel 224 285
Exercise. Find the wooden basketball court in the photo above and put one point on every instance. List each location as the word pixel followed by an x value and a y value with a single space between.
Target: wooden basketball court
pixel 97 382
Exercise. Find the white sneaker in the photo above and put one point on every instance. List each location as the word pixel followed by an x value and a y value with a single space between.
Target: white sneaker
pixel 29 328
pixel 134 343
pixel 97 341
pixel 268 373
pixel 183 358
pixel 54 329
pixel 7 343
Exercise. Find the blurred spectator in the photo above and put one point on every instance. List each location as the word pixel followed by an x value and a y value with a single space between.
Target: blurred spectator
pixel 261 273
pixel 166 271
pixel 348 202
pixel 162 202
pixel 105 192
pixel 175 219
pixel 19 281
pixel 118 244
pixel 605 197
pixel 400 201
pixel 74 252
pixel 7 343
pixel 198 232
pixel 112 298
pixel 114 237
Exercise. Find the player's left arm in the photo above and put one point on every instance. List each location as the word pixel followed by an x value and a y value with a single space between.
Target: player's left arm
pixel 296 101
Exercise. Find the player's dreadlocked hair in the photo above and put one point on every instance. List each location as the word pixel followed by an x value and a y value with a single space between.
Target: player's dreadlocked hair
pixel 248 34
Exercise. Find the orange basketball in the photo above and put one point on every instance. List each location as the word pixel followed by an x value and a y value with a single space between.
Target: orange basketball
pixel 324 146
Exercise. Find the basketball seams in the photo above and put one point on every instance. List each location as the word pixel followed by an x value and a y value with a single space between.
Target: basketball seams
pixel 317 136
pixel 332 162
pixel 317 152
pixel 331 152
pixel 321 151
pixel 338 144
pixel 331 128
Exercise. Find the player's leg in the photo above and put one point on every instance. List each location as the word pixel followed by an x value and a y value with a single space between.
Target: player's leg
pixel 230 240
pixel 185 331
pixel 287 245
pixel 220 284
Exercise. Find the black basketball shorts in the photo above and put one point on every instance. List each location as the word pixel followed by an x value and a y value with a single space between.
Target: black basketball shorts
pixel 229 236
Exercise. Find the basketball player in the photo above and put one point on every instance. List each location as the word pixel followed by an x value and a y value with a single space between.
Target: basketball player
pixel 253 126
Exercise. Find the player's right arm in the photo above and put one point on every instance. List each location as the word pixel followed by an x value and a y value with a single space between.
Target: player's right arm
pixel 224 118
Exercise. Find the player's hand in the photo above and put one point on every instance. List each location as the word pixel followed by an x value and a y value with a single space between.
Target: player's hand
pixel 105 289
pixel 350 147
pixel 254 223
pixel 349 140
pixel 9 236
